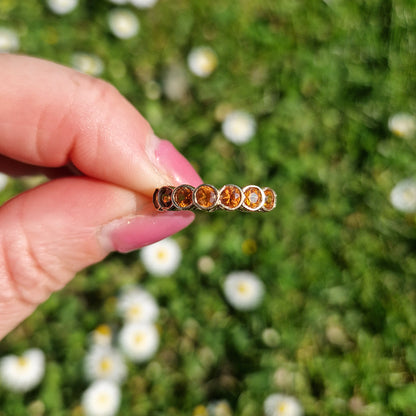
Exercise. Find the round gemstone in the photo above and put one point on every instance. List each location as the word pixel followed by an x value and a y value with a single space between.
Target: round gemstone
pixel 230 196
pixel 165 197
pixel 182 196
pixel 270 200
pixel 206 196
pixel 253 198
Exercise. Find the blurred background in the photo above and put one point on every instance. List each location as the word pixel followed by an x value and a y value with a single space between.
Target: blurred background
pixel 307 309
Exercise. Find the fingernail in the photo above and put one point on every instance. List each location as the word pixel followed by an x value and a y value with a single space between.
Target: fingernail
pixel 176 165
pixel 129 234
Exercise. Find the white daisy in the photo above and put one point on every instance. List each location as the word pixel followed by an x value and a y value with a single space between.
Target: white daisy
pixel 139 341
pixel 4 179
pixel 403 196
pixel 161 258
pixel 143 4
pixel 88 63
pixel 403 125
pixel 202 61
pixel 270 337
pixel 9 41
pixel 62 6
pixel 123 23
pixel 102 335
pixel 282 405
pixel 104 363
pixel 137 305
pixel 336 335
pixel 21 374
pixel 239 127
pixel 284 378
pixel 243 290
pixel 175 83
pixel 102 398
pixel 206 264
pixel 219 408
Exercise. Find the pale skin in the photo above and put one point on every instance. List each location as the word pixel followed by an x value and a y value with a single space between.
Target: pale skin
pixel 105 163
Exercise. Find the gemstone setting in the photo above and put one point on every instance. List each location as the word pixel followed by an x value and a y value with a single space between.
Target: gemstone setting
pixel 253 198
pixel 270 199
pixel 182 197
pixel 230 197
pixel 205 197
pixel 164 198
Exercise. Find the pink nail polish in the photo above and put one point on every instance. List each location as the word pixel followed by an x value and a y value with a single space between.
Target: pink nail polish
pixel 176 165
pixel 131 234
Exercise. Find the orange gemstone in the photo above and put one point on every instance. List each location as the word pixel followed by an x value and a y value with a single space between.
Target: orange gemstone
pixel 270 200
pixel 206 196
pixel 183 196
pixel 253 197
pixel 230 196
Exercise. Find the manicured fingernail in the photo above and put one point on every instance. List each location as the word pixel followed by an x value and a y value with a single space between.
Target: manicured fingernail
pixel 129 234
pixel 176 165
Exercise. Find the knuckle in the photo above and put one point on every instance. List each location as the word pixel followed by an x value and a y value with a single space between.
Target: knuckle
pixel 93 104
pixel 24 278
pixel 98 93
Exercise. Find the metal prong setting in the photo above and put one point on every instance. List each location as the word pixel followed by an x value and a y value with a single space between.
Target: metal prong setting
pixel 182 197
pixel 253 198
pixel 162 198
pixel 270 199
pixel 230 197
pixel 206 197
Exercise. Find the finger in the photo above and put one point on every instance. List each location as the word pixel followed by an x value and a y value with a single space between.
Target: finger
pixel 51 232
pixel 51 115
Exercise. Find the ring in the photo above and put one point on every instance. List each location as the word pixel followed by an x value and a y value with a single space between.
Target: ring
pixel 206 197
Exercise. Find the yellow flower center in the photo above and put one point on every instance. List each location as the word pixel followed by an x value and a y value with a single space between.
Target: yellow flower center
pixel 161 255
pixel 138 339
pixel 106 365
pixel 281 407
pixel 103 330
pixel 134 311
pixel 103 399
pixel 239 127
pixel 399 131
pixel 22 362
pixel 243 288
pixel 208 61
pixel 200 410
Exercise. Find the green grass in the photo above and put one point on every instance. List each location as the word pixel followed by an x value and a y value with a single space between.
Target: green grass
pixel 321 79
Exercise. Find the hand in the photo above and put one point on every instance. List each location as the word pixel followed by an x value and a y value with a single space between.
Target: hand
pixel 52 120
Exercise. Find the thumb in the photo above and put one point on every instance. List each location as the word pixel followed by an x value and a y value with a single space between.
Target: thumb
pixel 51 116
pixel 53 231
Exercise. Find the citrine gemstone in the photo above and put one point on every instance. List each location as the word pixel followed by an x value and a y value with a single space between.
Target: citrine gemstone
pixel 253 198
pixel 183 196
pixel 230 196
pixel 206 196
pixel 165 197
pixel 270 200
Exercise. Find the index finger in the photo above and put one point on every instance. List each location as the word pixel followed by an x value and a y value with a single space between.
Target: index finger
pixel 51 115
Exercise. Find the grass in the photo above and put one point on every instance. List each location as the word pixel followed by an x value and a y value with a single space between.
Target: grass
pixel 321 79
